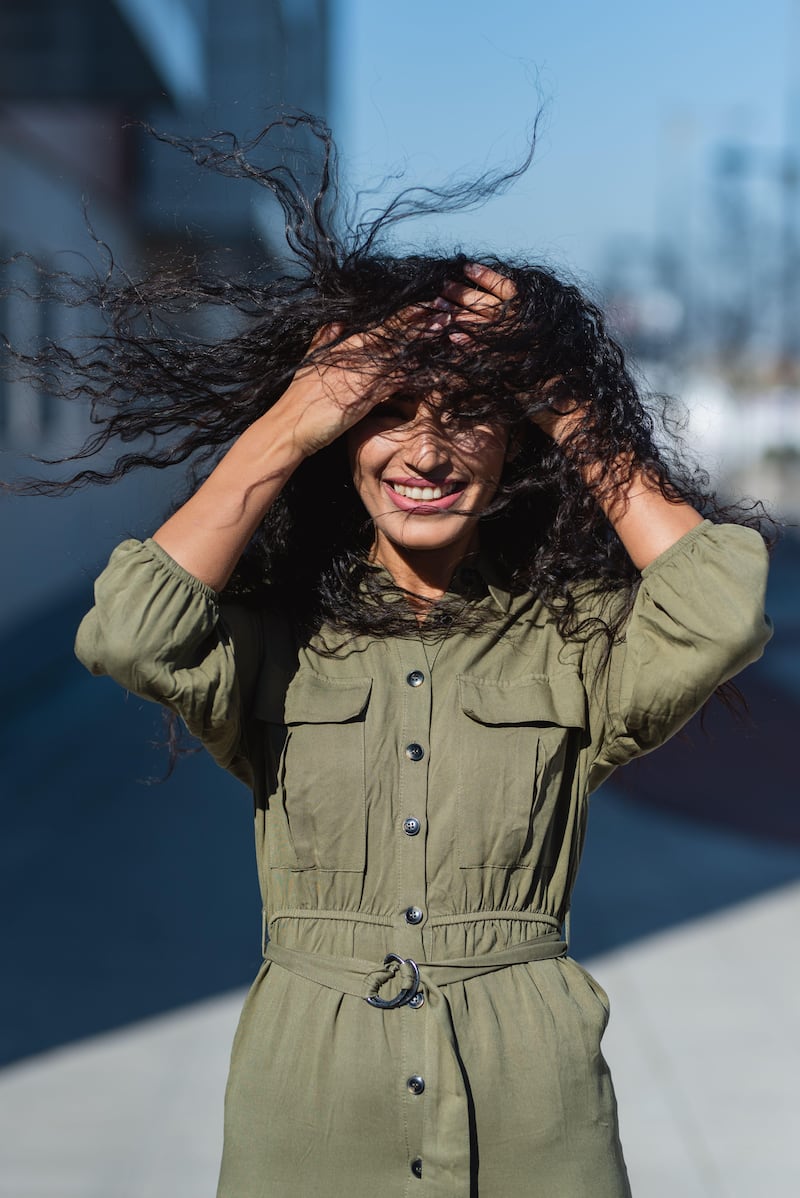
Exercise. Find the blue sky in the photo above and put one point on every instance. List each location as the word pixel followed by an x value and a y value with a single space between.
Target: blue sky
pixel 636 96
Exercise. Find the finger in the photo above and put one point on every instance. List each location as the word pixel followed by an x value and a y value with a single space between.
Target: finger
pixel 469 297
pixel 325 334
pixel 491 280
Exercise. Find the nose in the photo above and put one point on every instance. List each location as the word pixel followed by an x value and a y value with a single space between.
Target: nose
pixel 426 449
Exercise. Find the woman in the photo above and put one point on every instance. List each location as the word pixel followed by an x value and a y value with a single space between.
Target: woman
pixel 438 588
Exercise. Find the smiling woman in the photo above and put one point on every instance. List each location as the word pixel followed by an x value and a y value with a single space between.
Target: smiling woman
pixel 440 583
pixel 424 486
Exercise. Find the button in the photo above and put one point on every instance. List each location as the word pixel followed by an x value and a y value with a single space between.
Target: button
pixel 415 678
pixel 414 915
pixel 414 752
pixel 416 1084
pixel 411 826
pixel 417 1001
pixel 416 1167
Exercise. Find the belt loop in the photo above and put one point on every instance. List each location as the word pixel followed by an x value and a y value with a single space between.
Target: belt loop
pixel 568 926
pixel 263 932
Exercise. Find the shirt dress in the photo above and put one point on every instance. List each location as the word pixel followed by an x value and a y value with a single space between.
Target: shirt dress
pixel 420 810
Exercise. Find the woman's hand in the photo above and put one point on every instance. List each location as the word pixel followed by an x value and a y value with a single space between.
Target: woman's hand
pixel 334 388
pixel 331 392
pixel 485 301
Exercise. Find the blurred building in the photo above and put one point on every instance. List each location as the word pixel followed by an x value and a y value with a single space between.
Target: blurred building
pixel 74 75
pixel 709 308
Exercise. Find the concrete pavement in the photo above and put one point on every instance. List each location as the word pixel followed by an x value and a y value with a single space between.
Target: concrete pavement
pixel 702 1044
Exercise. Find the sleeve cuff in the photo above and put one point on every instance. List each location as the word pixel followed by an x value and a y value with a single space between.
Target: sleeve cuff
pixel 177 571
pixel 680 546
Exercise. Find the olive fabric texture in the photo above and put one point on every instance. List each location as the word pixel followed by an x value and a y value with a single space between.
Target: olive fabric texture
pixel 426 799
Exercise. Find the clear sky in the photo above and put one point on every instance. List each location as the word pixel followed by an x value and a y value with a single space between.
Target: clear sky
pixel 636 94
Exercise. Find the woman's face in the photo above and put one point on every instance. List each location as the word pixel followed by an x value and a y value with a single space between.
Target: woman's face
pixel 423 480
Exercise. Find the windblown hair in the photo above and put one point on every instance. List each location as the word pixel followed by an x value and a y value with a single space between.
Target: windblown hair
pixel 157 386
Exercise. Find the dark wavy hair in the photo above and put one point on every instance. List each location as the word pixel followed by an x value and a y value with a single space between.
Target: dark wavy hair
pixel 165 393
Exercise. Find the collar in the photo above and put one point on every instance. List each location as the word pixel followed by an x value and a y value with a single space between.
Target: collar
pixel 481 569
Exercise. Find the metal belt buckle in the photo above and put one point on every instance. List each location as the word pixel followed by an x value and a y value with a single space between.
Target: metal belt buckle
pixel 404 996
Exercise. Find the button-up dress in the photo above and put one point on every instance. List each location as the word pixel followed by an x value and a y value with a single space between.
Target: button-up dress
pixel 425 799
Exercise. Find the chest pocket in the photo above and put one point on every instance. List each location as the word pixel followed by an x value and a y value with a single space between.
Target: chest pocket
pixel 317 815
pixel 514 742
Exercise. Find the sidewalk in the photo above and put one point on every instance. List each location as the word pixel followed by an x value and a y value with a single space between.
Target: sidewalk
pixel 702 1043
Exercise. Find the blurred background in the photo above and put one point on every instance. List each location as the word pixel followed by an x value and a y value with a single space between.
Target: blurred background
pixel 667 182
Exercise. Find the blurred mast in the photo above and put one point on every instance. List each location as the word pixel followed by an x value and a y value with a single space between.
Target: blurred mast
pixel 790 195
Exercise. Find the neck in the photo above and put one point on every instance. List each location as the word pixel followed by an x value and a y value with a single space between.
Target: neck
pixel 424 572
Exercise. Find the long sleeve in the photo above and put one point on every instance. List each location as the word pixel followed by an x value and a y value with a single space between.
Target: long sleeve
pixel 158 631
pixel 698 619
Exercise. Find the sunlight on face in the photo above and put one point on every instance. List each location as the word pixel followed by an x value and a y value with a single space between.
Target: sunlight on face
pixel 424 480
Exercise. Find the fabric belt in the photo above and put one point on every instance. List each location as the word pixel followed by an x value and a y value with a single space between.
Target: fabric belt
pixel 446 1134
pixel 364 979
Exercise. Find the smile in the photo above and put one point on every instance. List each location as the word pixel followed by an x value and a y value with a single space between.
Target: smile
pixel 432 492
pixel 434 497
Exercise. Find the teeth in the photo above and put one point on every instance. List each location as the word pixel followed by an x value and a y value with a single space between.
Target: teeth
pixel 420 494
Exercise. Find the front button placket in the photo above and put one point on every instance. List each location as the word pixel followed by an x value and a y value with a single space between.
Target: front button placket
pixel 413 688
pixel 414 698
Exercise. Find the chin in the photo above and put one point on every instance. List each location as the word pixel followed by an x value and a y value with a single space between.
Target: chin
pixel 425 539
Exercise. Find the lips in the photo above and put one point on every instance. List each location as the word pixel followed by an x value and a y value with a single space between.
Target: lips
pixel 422 497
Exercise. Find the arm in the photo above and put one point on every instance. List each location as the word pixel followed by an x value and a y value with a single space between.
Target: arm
pixel 697 620
pixel 698 616
pixel 156 630
pixel 157 627
pixel 645 522
pixel 209 533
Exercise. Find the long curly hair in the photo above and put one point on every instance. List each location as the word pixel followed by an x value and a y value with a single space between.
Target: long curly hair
pixel 164 392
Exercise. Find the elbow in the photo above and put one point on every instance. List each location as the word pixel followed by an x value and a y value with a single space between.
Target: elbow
pixel 107 653
pixel 746 645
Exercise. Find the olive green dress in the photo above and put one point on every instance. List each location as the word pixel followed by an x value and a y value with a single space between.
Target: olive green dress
pixel 428 800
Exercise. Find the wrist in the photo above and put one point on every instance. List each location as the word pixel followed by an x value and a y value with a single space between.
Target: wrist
pixel 272 444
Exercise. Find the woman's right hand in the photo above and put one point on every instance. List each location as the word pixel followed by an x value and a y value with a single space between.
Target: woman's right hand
pixel 332 390
pixel 329 393
pixel 335 388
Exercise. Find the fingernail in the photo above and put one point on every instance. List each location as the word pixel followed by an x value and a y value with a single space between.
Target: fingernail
pixel 443 304
pixel 473 269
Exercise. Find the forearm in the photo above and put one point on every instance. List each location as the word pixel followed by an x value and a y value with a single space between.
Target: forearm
pixel 209 533
pixel 645 522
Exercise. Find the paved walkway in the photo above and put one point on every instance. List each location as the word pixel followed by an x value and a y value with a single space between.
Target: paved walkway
pixel 703 1045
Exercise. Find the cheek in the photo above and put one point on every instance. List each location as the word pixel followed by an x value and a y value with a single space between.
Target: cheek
pixel 483 454
pixel 358 452
pixel 366 455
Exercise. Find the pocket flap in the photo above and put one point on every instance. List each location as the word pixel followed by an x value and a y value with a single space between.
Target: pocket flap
pixel 533 699
pixel 314 699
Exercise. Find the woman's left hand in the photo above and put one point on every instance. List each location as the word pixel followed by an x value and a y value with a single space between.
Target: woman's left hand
pixel 461 304
pixel 465 305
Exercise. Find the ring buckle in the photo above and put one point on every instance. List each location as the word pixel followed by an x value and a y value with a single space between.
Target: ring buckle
pixel 405 995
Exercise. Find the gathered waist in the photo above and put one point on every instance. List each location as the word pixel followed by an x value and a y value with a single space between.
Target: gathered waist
pixel 368 935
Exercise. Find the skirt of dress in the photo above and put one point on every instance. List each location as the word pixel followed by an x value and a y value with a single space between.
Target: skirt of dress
pixel 327 1094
